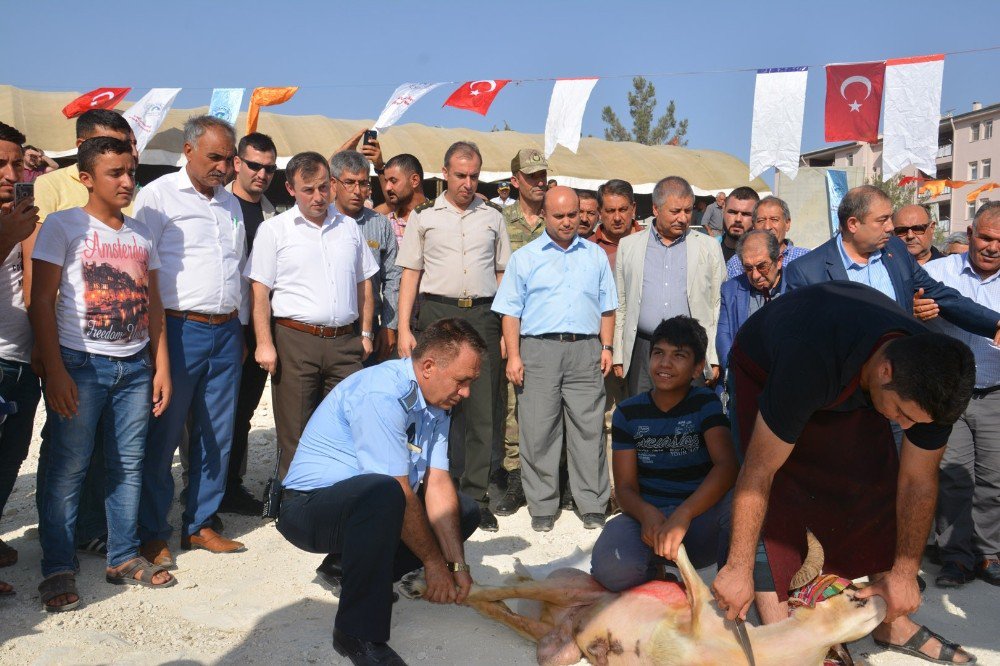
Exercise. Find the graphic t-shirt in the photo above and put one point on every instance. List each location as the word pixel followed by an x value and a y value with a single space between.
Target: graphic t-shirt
pixel 15 331
pixel 669 446
pixel 103 294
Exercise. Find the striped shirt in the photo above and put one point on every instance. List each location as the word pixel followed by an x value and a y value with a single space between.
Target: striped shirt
pixel 670 447
pixel 734 267
pixel 874 273
pixel 956 271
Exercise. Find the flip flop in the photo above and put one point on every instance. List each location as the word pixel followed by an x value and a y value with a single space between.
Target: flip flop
pixel 912 648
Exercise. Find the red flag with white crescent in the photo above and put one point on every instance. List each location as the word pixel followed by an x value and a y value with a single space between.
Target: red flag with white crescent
pixel 476 95
pixel 101 98
pixel 854 101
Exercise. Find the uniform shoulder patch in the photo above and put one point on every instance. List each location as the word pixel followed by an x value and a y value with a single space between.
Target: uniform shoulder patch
pixel 424 206
pixel 410 399
pixel 494 205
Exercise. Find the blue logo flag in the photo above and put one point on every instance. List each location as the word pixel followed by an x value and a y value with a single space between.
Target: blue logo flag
pixel 836 188
pixel 226 103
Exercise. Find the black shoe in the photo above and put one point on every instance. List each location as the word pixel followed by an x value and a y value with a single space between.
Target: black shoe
pixel 953 574
pixel 216 523
pixel 989 570
pixel 513 499
pixel 543 523
pixel 592 521
pixel 331 572
pixel 566 502
pixel 487 521
pixel 238 500
pixel 365 653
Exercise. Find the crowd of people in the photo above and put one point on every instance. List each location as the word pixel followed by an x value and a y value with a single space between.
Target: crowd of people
pixel 437 362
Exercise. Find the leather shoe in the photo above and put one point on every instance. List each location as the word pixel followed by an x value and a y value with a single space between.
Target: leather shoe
pixel 513 499
pixel 158 554
pixel 989 570
pixel 365 653
pixel 487 521
pixel 237 499
pixel 592 521
pixel 331 572
pixel 208 539
pixel 543 523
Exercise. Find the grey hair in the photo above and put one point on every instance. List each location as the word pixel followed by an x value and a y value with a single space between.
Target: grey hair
pixel 671 186
pixel 350 161
pixel 196 126
pixel 989 209
pixel 462 149
pixel 773 249
pixel 857 202
pixel 772 200
pixel 957 237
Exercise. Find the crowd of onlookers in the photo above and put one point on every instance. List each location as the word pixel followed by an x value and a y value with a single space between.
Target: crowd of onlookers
pixel 153 317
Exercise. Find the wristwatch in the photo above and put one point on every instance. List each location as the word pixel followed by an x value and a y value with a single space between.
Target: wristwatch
pixel 455 567
pixel 368 334
pixel 607 348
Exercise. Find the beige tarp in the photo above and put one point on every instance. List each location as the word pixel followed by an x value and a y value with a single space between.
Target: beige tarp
pixel 39 116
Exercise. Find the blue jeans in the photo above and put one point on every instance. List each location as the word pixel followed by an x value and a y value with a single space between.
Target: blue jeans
pixel 205 366
pixel 118 392
pixel 18 384
pixel 620 560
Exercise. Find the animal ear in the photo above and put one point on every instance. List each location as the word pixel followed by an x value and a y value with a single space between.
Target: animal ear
pixel 698 594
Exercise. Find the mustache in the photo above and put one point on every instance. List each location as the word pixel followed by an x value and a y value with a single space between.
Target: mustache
pixel 216 174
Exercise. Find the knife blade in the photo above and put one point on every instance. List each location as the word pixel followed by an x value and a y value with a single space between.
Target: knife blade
pixel 739 628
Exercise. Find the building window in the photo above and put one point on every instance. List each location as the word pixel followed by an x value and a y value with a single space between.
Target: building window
pixel 988 129
pixel 970 211
pixel 987 164
pixel 973 170
pixel 850 159
pixel 975 131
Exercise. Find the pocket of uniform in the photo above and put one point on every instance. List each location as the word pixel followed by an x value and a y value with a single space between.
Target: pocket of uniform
pixel 73 359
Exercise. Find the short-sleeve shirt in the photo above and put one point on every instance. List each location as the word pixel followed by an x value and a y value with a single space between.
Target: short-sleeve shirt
pixel 460 252
pixel 671 455
pixel 374 422
pixel 103 304
pixel 812 343
pixel 15 330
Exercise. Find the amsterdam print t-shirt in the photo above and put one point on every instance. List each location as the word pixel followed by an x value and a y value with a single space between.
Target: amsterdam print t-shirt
pixel 104 292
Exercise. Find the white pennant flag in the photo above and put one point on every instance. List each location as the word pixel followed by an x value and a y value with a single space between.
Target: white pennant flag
pixel 404 97
pixel 146 115
pixel 779 104
pixel 226 103
pixel 565 119
pixel 912 114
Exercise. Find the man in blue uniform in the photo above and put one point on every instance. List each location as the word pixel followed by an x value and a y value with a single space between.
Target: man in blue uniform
pixel 369 483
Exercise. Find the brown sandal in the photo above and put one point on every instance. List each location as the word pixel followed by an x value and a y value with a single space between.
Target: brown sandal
pixel 126 575
pixel 58 585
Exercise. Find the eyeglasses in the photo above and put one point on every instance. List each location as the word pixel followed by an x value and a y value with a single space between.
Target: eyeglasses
pixel 763 268
pixel 355 184
pixel 257 166
pixel 917 229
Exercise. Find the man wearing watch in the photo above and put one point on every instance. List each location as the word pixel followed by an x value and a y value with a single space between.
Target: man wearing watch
pixel 558 302
pixel 310 273
pixel 369 485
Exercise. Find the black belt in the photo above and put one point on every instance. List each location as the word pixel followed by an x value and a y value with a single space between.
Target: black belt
pixel 468 302
pixel 563 337
pixel 288 492
pixel 983 392
pixel 644 336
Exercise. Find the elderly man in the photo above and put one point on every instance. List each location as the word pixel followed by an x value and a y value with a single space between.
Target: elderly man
pixel 370 486
pixel 201 241
pixel 503 198
pixel 662 273
pixel 968 510
pixel 524 224
pixel 455 251
pixel 349 171
pixel 711 218
pixel 558 304
pixel 616 203
pixel 18 383
pixel 913 225
pixel 759 283
pixel 956 243
pixel 737 218
pixel 818 376
pixel 771 214
pixel 590 213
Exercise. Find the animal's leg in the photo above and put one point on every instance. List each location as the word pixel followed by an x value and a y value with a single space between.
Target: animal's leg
pixel 560 591
pixel 531 629
pixel 698 594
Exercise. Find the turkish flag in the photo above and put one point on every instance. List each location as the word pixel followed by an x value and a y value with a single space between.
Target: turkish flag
pixel 854 101
pixel 476 95
pixel 101 98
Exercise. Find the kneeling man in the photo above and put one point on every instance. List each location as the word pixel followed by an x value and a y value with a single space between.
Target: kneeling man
pixel 369 482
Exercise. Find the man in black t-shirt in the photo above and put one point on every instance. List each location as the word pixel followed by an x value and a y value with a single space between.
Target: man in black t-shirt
pixel 817 376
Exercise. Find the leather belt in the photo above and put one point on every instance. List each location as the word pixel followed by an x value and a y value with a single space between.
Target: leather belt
pixel 983 392
pixel 318 331
pixel 201 318
pixel 465 302
pixel 288 492
pixel 563 337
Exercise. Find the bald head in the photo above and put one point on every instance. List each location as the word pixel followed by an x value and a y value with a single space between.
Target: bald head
pixel 913 225
pixel 561 209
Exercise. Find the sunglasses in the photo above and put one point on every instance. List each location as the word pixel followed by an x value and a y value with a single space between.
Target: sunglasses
pixel 257 166
pixel 917 229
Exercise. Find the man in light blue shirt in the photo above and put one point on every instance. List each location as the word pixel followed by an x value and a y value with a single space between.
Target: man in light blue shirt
pixel 558 302
pixel 369 486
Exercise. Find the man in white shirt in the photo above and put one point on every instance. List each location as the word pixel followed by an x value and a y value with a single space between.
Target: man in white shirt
pixel 201 241
pixel 311 270
pixel 503 198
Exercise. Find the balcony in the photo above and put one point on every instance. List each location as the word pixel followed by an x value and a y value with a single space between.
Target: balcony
pixel 944 154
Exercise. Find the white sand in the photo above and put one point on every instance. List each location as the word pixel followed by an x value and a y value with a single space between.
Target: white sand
pixel 266 606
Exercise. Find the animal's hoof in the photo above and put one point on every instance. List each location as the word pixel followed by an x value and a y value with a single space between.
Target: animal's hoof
pixel 413 585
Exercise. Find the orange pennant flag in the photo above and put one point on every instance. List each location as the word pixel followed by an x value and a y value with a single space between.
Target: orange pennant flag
pixel 266 97
pixel 932 187
pixel 971 196
pixel 958 184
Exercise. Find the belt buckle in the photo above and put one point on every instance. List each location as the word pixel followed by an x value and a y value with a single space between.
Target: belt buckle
pixel 321 332
pixel 465 302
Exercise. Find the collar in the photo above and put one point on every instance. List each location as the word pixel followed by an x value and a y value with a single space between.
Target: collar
pixel 442 203
pixel 184 183
pixel 417 402
pixel 333 216
pixel 659 238
pixel 821 589
pixel 601 238
pixel 873 258
pixel 547 242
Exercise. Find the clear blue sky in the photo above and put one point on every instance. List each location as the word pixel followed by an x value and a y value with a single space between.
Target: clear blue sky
pixel 348 57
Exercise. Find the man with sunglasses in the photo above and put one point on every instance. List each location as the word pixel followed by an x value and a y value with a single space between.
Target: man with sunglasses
pixel 913 225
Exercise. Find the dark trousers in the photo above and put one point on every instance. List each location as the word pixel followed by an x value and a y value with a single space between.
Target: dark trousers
pixel 18 384
pixel 361 519
pixel 252 383
pixel 478 412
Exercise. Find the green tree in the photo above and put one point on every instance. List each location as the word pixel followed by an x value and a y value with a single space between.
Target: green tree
pixel 900 195
pixel 641 106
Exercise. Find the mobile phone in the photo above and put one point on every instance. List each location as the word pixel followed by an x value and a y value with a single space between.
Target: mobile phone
pixel 23 191
pixel 370 137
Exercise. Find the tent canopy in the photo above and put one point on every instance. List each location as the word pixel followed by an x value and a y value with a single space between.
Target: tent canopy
pixel 39 116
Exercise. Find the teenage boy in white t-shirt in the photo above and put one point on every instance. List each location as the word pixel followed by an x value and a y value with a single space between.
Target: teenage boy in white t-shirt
pixel 98 323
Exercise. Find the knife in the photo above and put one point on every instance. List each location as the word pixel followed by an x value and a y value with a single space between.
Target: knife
pixel 739 628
